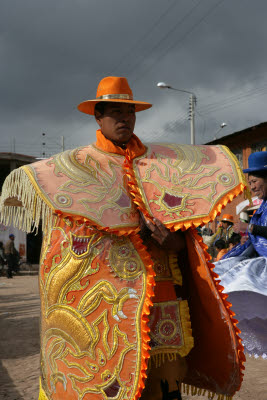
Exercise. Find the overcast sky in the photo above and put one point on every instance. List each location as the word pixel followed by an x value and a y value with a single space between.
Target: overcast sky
pixel 54 52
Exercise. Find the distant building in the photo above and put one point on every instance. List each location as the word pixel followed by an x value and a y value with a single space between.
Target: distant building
pixel 242 144
pixel 29 245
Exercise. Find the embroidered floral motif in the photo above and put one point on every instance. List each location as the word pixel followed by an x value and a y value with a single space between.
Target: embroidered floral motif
pixel 88 324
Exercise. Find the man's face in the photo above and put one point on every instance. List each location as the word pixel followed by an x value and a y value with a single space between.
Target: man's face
pixel 224 224
pixel 118 121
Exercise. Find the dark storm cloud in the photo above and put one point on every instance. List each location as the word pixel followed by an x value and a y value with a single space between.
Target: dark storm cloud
pixel 53 53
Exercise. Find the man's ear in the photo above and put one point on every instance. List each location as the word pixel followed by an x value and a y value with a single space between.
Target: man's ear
pixel 98 118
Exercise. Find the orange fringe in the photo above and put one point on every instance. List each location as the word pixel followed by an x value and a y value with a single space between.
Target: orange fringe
pixel 150 283
pixel 134 190
pixel 118 232
pixel 227 304
pixel 217 209
pixel 194 391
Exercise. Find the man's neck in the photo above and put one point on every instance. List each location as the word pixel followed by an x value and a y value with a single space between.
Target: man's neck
pixel 134 146
pixel 121 145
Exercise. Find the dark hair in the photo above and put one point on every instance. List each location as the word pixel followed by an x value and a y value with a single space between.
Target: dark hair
pixel 1 245
pixel 100 107
pixel 220 244
pixel 228 222
pixel 234 239
pixel 258 174
pixel 207 232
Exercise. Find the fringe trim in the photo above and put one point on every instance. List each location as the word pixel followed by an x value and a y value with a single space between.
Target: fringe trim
pixel 195 391
pixel 216 210
pixel 175 270
pixel 134 190
pixel 150 283
pixel 186 328
pixel 227 305
pixel 160 358
pixel 91 224
pixel 33 210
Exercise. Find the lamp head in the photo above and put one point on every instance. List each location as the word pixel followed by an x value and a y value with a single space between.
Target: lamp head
pixel 223 125
pixel 163 85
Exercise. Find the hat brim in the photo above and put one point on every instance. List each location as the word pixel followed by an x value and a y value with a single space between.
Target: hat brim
pixel 88 106
pixel 247 170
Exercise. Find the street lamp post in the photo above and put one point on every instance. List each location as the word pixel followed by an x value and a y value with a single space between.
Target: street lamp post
pixel 192 103
pixel 223 125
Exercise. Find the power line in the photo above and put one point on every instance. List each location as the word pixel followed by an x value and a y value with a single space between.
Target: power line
pixel 232 100
pixel 177 24
pixel 162 55
pixel 145 35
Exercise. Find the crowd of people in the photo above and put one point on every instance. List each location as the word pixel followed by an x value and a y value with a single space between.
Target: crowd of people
pixel 224 239
pixel 9 257
pixel 225 242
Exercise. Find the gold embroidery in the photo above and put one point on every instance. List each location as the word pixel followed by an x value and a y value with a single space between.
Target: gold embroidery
pixel 91 179
pixel 83 326
pixel 124 260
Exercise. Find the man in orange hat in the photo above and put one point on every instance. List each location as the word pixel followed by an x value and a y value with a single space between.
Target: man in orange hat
pixel 225 229
pixel 130 306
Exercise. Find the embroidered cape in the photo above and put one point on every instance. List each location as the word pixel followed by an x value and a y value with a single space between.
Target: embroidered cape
pixel 97 278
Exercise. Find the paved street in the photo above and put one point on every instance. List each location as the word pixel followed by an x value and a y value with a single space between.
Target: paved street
pixel 19 346
pixel 19 333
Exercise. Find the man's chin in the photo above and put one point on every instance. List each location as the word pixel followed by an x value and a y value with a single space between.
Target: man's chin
pixel 124 137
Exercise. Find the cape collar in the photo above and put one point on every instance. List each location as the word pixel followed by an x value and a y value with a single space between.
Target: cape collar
pixel 134 147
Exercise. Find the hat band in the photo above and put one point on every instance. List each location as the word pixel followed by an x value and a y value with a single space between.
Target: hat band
pixel 116 96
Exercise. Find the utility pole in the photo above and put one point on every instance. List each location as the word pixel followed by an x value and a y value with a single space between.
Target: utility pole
pixel 62 143
pixel 43 144
pixel 192 103
pixel 14 145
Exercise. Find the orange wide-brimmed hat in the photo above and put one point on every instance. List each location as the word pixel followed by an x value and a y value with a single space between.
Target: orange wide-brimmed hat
pixel 113 89
pixel 227 218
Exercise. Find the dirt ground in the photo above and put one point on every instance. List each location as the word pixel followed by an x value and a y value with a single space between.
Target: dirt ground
pixel 19 346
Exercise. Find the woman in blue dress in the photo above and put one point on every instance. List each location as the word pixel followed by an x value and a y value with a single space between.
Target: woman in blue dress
pixel 243 270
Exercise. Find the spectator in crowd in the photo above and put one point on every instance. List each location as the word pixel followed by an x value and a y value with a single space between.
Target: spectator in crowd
pixel 225 229
pixel 207 231
pixel 2 257
pixel 220 246
pixel 233 241
pixel 12 256
pixel 256 245
pixel 244 238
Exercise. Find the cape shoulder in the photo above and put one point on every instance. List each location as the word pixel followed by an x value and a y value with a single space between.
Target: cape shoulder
pixel 181 185
pixel 185 185
pixel 84 182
